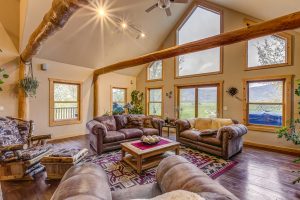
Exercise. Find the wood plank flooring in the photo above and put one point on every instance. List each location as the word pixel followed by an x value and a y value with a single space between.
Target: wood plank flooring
pixel 259 175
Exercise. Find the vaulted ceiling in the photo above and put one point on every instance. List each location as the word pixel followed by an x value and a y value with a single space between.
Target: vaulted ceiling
pixel 85 42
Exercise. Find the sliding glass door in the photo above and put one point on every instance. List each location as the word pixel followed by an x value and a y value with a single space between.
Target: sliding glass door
pixel 198 101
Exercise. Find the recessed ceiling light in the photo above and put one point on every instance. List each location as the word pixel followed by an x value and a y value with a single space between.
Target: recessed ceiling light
pixel 143 35
pixel 101 12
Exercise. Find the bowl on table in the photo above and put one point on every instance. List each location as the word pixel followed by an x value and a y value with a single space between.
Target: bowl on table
pixel 150 139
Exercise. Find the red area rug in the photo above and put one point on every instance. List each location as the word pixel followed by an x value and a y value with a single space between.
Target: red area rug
pixel 123 176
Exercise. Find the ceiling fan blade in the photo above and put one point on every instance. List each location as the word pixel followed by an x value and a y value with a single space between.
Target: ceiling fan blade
pixel 168 11
pixel 179 1
pixel 151 8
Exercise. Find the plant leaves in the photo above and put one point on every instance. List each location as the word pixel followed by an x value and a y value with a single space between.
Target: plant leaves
pixel 5 76
pixel 1 82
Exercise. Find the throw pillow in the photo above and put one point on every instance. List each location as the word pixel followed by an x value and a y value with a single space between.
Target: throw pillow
pixel 203 123
pixel 134 122
pixel 219 123
pixel 147 122
pixel 177 195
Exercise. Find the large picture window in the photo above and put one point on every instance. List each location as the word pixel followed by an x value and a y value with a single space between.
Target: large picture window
pixel 119 96
pixel 154 101
pixel 267 102
pixel 155 71
pixel 199 101
pixel 201 23
pixel 65 102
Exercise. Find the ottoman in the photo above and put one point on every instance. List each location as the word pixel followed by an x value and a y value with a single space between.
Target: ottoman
pixel 60 160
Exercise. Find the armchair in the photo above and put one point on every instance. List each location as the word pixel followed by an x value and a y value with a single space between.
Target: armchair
pixel 20 150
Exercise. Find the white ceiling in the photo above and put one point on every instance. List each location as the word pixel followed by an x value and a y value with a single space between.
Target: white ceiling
pixel 84 42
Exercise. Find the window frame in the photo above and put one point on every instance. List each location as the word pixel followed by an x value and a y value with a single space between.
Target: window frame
pixel 52 122
pixel 218 84
pixel 148 100
pixel 287 101
pixel 288 50
pixel 111 96
pixel 162 72
pixel 210 7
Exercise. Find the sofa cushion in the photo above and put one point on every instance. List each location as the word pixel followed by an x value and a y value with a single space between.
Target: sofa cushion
pixel 208 132
pixel 114 136
pixel 219 123
pixel 203 123
pixel 211 139
pixel 192 122
pixel 132 133
pixel 108 121
pixel 121 121
pixel 9 133
pixel 147 122
pixel 150 131
pixel 134 122
pixel 190 134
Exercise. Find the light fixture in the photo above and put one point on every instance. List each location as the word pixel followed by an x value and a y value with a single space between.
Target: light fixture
pixel 143 35
pixel 101 12
pixel 124 25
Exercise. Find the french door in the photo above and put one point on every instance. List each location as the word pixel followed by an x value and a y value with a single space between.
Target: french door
pixel 198 101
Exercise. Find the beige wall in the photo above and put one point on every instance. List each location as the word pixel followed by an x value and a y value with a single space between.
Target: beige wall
pixel 233 74
pixel 106 82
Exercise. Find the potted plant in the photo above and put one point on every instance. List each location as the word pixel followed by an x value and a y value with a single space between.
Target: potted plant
pixel 29 84
pixel 3 75
pixel 292 133
pixel 136 102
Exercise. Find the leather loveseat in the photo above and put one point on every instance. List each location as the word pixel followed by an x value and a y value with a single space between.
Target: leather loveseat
pixel 108 132
pixel 90 182
pixel 221 137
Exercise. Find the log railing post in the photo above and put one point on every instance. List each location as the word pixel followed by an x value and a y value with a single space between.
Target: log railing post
pixel 23 101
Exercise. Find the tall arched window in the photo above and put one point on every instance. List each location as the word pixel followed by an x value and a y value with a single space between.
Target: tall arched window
pixel 202 23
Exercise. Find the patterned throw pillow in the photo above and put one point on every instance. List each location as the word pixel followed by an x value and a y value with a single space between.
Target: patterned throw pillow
pixel 147 122
pixel 9 133
pixel 110 125
pixel 134 122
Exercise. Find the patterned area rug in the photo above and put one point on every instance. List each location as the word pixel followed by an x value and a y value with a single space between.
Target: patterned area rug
pixel 123 176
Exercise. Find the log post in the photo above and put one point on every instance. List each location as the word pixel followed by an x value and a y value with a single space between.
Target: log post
pixel 23 101
pixel 96 96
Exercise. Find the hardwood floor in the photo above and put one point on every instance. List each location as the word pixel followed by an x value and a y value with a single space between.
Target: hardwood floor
pixel 259 175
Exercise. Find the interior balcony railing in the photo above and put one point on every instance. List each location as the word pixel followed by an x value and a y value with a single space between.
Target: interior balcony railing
pixel 65 113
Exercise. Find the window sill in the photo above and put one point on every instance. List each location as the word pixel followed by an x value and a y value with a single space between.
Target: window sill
pixel 268 66
pixel 153 80
pixel 64 122
pixel 198 75
pixel 263 128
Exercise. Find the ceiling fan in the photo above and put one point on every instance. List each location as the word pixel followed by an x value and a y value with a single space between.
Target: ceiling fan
pixel 165 5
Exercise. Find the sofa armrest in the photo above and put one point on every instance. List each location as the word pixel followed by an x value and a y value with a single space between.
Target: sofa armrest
pixel 232 131
pixel 157 123
pixel 97 128
pixel 182 125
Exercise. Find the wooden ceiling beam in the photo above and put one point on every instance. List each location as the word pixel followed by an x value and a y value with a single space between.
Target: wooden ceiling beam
pixel 287 22
pixel 54 20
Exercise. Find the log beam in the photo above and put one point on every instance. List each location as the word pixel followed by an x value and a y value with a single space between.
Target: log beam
pixel 287 22
pixel 54 20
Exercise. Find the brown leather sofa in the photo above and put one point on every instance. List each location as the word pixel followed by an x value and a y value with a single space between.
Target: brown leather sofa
pixel 90 182
pixel 108 132
pixel 221 137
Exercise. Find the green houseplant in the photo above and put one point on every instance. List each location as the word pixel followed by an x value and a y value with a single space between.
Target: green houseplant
pixel 3 76
pixel 137 98
pixel 292 133
pixel 29 84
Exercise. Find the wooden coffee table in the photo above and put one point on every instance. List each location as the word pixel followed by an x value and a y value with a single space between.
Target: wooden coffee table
pixel 141 160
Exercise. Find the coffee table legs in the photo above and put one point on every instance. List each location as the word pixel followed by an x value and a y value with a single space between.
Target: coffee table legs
pixel 123 153
pixel 177 151
pixel 139 164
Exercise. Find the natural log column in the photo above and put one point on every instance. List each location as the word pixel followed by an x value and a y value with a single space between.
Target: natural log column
pixel 54 20
pixel 288 22
pixel 23 101
pixel 96 97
